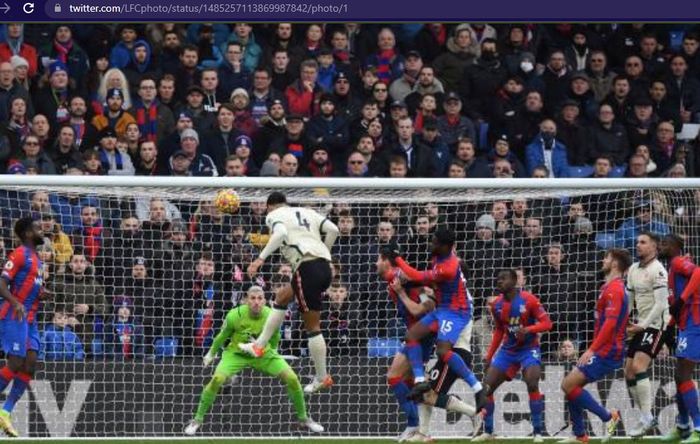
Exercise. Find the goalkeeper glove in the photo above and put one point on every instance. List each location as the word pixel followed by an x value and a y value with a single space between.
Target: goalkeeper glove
pixel 208 359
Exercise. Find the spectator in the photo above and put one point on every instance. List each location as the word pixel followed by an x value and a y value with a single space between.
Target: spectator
pixel 502 168
pixel 546 150
pixel 147 162
pixel 242 149
pixel 387 61
pixel 234 167
pixel 664 147
pixel 567 352
pixel 210 56
pixel 580 91
pixel 642 122
pixel 418 156
pixel 272 127
pixel 303 95
pixel 115 117
pixel 398 168
pixel 527 250
pixel 294 141
pixel 282 74
pixel 328 128
pixel 141 65
pixel 475 167
pixel 643 150
pixel 427 84
pixel 154 119
pixel 356 165
pixel 340 324
pixel 244 121
pixel 403 86
pixel 262 95
pixel 662 104
pixel 32 152
pixel 289 166
pixel 572 133
pixel 619 98
pixel 233 74
pixel 482 79
pixel 199 164
pixel 452 125
pixel 89 236
pixel 347 104
pixel 602 167
pixel 166 93
pixel 461 53
pixel 441 152
pixel 606 136
pixel 456 169
pixel 125 334
pixel 556 78
pixel 243 34
pixel 14 45
pixel 57 238
pixel 9 89
pixel 58 342
pixel 642 221
pixel 501 151
pixel 320 164
pixel 637 167
pixel 52 100
pixel 84 133
pixel 81 295
pixel 376 166
pixel 114 162
pixel 484 253
pixel 601 78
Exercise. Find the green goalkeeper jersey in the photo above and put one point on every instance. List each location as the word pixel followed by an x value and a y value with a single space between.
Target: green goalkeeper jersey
pixel 240 327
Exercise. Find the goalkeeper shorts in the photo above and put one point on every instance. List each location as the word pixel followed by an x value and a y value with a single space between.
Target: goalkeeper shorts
pixel 231 363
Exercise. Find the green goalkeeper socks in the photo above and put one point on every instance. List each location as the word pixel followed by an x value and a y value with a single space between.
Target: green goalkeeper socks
pixel 208 397
pixel 295 393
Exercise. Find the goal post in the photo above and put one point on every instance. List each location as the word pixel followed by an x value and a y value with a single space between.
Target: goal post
pixel 158 267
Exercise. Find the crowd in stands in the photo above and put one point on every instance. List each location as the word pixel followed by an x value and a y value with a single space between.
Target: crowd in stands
pixel 140 277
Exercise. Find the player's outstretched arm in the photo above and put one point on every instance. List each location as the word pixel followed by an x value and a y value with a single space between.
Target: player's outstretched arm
pixel 415 308
pixel 436 274
pixel 497 338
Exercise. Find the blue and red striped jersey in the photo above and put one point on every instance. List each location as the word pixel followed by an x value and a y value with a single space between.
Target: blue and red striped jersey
pixel 413 291
pixel 524 310
pixel 613 303
pixel 23 274
pixel 680 270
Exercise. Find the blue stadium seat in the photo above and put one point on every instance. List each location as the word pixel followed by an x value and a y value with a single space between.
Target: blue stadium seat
pixel 580 171
pixel 605 240
pixel 165 348
pixel 484 137
pixel 383 347
pixel 618 171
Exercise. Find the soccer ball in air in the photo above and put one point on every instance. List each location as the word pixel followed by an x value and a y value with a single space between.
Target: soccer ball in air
pixel 227 201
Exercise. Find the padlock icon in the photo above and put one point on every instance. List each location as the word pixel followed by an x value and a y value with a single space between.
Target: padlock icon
pixel 57 8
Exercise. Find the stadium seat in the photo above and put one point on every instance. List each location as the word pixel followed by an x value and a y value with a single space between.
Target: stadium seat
pixel 618 171
pixel 580 171
pixel 484 137
pixel 383 347
pixel 605 240
pixel 166 348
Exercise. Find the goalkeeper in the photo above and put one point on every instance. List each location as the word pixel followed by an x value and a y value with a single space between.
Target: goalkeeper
pixel 242 325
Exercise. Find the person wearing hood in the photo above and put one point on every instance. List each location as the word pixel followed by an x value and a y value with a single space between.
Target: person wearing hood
pixel 243 34
pixel 461 53
pixel 140 65
pixel 546 151
pixel 210 55
pixel 519 40
pixel 501 150
pixel 482 79
pixel 526 70
pixel 506 105
pixel 578 54
pixel 65 153
pixel 120 56
pixel 599 75
pixel 65 49
pixel 14 46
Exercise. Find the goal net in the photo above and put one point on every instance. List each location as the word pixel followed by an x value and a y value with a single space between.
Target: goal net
pixel 142 271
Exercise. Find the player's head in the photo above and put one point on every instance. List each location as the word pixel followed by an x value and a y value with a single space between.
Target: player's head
pixel 276 199
pixel 384 262
pixel 29 231
pixel 671 246
pixel 507 280
pixel 616 260
pixel 255 299
pixel 647 245
pixel 443 241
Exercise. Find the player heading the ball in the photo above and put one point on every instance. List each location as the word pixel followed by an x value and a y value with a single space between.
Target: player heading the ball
pixel 297 232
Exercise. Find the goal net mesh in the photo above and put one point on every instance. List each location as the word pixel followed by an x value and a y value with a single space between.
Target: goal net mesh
pixel 141 278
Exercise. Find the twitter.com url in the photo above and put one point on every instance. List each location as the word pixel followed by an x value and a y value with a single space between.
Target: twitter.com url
pixel 211 8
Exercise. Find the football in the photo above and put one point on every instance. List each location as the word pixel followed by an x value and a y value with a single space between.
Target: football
pixel 227 201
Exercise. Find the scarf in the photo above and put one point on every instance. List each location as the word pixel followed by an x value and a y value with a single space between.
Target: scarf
pixel 79 129
pixel 62 50
pixel 341 55
pixel 385 58
pixel 125 331
pixel 23 129
pixel 317 170
pixel 92 238
pixel 148 122
pixel 440 35
pixel 16 44
pixel 104 160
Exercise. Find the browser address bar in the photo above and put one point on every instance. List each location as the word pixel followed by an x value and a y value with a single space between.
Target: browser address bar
pixel 195 10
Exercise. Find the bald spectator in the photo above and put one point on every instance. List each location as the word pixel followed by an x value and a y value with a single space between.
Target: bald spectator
pixel 289 166
pixel 548 151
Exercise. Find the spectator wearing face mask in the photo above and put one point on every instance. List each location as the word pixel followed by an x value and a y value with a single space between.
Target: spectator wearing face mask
pixel 546 150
